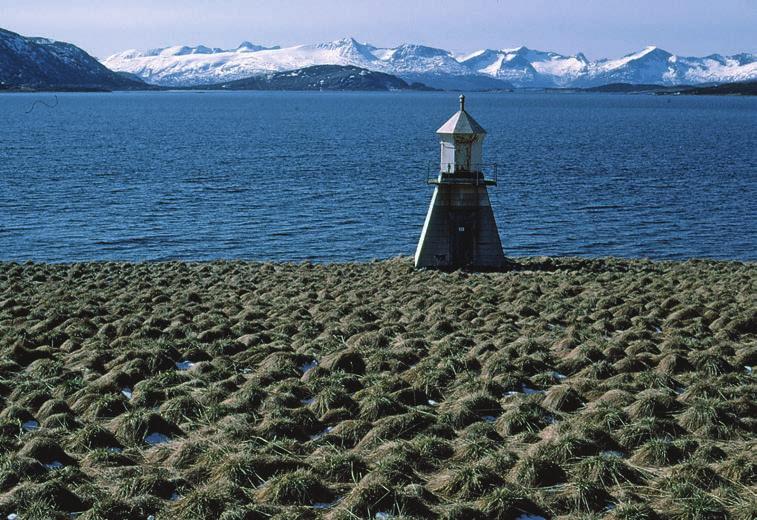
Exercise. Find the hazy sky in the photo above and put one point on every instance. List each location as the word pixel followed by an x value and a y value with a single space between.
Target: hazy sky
pixel 599 28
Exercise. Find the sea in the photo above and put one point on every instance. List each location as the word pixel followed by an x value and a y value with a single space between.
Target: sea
pixel 341 176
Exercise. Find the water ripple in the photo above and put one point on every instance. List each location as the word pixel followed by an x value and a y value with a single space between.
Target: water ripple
pixel 340 176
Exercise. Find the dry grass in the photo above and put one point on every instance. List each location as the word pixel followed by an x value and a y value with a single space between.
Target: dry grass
pixel 565 388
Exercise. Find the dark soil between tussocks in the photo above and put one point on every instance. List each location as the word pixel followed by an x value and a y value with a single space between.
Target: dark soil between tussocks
pixel 564 388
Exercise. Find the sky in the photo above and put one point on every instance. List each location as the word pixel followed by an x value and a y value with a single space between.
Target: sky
pixel 598 28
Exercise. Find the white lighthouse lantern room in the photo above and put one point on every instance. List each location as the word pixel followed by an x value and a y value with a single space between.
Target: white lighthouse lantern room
pixel 461 140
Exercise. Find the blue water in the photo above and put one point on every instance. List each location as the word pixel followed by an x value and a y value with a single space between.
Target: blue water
pixel 341 176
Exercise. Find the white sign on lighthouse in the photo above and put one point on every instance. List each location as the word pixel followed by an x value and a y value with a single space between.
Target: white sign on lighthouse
pixel 460 230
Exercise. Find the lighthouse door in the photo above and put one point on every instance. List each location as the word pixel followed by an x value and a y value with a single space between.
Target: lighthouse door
pixel 463 239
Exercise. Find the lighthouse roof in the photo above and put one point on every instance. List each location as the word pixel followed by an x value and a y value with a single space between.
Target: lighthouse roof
pixel 461 123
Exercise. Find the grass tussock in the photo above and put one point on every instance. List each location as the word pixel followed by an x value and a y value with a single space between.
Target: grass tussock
pixel 466 482
pixel 299 487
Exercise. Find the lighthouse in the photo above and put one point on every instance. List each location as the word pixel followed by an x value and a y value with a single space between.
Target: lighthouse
pixel 460 230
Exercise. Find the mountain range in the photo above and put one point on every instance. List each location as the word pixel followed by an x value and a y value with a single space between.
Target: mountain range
pixel 33 63
pixel 41 63
pixel 483 69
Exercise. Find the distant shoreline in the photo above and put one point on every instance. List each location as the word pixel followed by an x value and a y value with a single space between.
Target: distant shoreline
pixel 727 89
pixel 514 263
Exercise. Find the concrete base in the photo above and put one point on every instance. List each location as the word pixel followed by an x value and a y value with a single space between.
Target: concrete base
pixel 460 230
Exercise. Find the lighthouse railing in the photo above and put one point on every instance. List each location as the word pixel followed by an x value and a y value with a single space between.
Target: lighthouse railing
pixel 479 174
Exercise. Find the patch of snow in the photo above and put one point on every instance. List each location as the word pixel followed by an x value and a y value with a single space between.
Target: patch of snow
pixel 155 438
pixel 114 450
pixel 126 392
pixel 568 67
pixel 307 401
pixel 748 369
pixel 465 57
pixel 559 376
pixel 12 516
pixel 383 515
pixel 530 391
pixel 494 68
pixel 326 505
pixel 174 497
pixel 617 63
pixel 30 425
pixel 55 464
pixel 489 418
pixel 308 366
pixel 184 365
pixel 320 434
pixel 431 402
pixel 612 453
pixel 529 516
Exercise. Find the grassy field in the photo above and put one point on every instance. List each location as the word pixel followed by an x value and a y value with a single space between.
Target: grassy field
pixel 566 388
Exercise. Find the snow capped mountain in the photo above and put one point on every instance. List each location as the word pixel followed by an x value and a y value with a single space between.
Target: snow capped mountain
pixel 717 69
pixel 408 58
pixel 487 68
pixel 251 47
pixel 650 65
pixel 526 67
pixel 654 65
pixel 177 66
pixel 184 50
pixel 502 64
pixel 36 63
pixel 347 48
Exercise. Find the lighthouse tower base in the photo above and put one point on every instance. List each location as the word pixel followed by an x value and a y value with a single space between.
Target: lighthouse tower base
pixel 460 230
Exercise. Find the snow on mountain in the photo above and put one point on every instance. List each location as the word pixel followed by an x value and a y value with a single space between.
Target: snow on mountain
pixel 251 47
pixel 528 67
pixel 178 66
pixel 172 66
pixel 648 54
pixel 717 69
pixel 562 70
pixel 650 65
pixel 420 59
pixel 42 63
pixel 509 66
pixel 488 68
pixel 654 65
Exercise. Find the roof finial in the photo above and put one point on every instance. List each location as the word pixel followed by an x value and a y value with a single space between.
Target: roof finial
pixel 462 103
